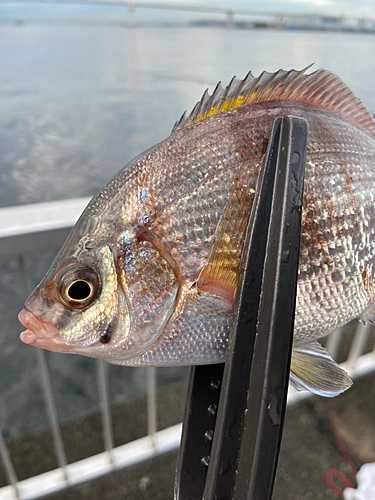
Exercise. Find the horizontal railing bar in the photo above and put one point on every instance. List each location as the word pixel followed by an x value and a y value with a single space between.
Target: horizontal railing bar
pixel 97 465
pixel 134 452
pixel 39 217
pixel 137 451
pixel 40 226
pixel 363 365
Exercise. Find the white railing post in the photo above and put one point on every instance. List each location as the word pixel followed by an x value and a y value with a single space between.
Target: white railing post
pixel 333 343
pixel 51 412
pixel 151 403
pixel 8 466
pixel 102 373
pixel 46 387
pixel 358 344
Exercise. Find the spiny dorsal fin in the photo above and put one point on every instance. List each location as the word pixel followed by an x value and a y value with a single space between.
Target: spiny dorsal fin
pixel 321 88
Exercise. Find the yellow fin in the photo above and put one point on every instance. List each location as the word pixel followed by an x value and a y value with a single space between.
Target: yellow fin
pixel 219 276
pixel 322 89
pixel 313 369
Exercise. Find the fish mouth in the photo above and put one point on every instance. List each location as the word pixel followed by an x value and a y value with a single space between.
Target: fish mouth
pixel 39 333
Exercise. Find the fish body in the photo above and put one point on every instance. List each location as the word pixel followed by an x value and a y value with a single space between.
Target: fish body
pixel 148 274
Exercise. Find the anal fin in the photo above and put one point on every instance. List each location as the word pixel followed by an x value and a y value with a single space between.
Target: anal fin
pixel 313 369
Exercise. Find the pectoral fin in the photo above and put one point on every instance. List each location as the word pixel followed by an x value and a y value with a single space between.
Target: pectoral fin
pixel 219 276
pixel 313 369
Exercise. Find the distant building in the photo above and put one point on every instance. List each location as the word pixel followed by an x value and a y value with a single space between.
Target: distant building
pixel 329 23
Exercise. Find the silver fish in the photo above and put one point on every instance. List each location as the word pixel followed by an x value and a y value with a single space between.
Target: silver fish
pixel 148 274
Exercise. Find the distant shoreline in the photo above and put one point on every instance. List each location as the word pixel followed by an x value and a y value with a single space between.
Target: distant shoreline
pixel 216 24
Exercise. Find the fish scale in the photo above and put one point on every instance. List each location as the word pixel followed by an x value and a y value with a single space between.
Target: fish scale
pixel 194 236
pixel 177 348
pixel 174 221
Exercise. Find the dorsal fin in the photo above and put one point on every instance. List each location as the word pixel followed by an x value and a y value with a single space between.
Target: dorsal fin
pixel 321 88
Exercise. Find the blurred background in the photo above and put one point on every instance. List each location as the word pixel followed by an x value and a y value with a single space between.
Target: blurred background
pixel 86 87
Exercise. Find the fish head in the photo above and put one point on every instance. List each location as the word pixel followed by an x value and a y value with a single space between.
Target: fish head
pixel 107 294
pixel 75 307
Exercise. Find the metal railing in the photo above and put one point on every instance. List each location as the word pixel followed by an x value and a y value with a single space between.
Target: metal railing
pixel 40 226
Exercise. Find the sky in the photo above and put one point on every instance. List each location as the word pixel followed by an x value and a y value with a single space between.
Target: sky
pixel 355 8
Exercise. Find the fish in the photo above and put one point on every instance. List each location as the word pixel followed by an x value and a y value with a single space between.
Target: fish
pixel 148 275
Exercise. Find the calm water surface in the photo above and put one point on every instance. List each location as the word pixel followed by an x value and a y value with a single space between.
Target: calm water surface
pixel 79 102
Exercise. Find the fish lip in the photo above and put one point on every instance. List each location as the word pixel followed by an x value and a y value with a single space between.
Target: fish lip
pixel 43 334
pixel 39 333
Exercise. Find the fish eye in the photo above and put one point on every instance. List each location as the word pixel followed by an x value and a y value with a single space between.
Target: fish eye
pixel 77 286
pixel 79 290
